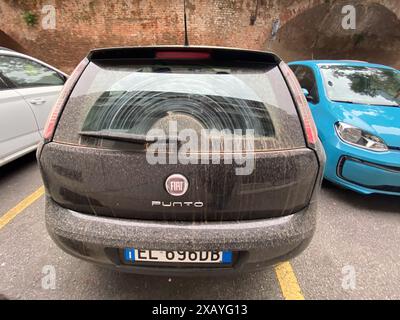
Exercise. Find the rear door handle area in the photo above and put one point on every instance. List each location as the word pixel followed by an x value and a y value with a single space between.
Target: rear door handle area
pixel 37 101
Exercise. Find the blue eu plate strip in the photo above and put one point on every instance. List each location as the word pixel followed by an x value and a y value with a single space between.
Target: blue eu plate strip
pixel 227 257
pixel 129 254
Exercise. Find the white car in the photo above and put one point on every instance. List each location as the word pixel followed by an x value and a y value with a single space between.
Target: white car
pixel 28 90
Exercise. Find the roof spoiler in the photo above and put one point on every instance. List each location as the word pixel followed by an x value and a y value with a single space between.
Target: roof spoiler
pixel 216 54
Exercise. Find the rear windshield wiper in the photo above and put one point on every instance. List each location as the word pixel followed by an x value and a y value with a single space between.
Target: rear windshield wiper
pixel 128 137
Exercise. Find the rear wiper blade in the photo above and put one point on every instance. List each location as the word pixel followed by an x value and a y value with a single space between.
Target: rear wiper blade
pixel 129 137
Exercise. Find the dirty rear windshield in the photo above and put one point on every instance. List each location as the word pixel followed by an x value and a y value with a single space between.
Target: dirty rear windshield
pixel 133 99
pixel 362 85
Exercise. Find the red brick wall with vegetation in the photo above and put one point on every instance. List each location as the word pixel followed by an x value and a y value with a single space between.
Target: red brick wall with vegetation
pixel 85 24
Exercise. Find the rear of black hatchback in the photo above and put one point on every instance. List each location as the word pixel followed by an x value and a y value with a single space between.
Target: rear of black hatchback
pixel 181 160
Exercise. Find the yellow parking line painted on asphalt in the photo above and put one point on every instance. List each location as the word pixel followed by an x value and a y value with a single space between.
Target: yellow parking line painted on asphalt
pixel 288 282
pixel 11 214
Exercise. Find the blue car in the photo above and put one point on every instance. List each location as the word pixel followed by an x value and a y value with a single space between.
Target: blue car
pixel 356 107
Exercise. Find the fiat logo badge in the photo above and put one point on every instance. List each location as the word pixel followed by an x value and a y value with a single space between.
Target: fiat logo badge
pixel 176 185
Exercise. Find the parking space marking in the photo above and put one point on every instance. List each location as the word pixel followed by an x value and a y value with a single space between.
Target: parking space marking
pixel 288 282
pixel 12 213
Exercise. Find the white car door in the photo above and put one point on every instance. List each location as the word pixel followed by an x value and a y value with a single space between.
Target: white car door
pixel 38 84
pixel 41 100
pixel 18 129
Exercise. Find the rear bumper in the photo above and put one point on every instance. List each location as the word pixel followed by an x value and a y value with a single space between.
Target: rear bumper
pixel 255 243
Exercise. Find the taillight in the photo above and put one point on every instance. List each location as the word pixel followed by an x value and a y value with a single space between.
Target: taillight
pixel 62 99
pixel 302 104
pixel 182 55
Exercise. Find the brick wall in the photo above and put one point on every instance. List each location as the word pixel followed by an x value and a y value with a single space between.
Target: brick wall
pixel 85 24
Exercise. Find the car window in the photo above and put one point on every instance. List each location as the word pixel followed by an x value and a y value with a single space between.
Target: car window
pixel 294 68
pixel 25 73
pixel 306 77
pixel 362 85
pixel 3 86
pixel 133 99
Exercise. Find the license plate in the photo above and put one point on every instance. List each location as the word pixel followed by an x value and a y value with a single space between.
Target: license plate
pixel 138 255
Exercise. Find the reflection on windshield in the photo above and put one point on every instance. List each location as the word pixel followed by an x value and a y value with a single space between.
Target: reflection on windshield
pixel 26 73
pixel 362 85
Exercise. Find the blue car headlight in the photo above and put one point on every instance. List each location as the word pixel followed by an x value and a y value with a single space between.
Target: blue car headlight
pixel 360 138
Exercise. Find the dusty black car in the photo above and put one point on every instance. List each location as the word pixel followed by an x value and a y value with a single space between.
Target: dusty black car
pixel 124 187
